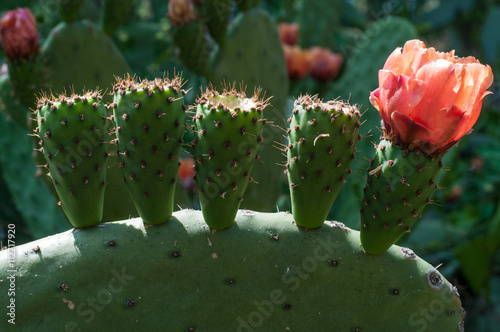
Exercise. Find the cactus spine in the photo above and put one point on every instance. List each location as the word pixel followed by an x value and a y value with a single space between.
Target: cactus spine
pixel 73 132
pixel 322 144
pixel 149 120
pixel 228 129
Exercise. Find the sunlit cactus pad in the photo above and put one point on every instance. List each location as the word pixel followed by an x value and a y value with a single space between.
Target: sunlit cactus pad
pixel 262 274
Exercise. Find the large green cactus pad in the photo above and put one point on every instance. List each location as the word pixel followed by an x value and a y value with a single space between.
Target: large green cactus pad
pixel 81 56
pixel 262 274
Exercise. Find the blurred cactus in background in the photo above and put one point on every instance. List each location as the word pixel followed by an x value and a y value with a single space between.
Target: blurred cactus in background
pixel 311 60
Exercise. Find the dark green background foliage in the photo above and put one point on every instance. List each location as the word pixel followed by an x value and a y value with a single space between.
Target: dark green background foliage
pixel 461 230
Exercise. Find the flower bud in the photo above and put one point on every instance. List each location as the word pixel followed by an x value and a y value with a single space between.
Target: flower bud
pixel 19 34
pixel 326 64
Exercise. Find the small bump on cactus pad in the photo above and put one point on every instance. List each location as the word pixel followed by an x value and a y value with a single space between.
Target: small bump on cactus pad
pixel 322 140
pixel 149 126
pixel 399 185
pixel 73 134
pixel 228 132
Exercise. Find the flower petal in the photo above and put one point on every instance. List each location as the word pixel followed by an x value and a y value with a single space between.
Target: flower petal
pixel 375 98
pixel 440 91
pixel 407 129
pixel 449 121
pixel 408 93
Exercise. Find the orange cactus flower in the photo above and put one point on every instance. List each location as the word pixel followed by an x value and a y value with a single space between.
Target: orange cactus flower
pixel 186 168
pixel 289 33
pixel 427 99
pixel 326 64
pixel 298 61
pixel 19 34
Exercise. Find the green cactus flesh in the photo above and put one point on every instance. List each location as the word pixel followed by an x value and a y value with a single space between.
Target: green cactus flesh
pixel 73 132
pixel 267 274
pixel 70 9
pixel 228 129
pixel 326 28
pixel 149 120
pixel 114 14
pixel 217 15
pixel 194 46
pixel 79 55
pixel 399 185
pixel 245 5
pixel 262 65
pixel 322 145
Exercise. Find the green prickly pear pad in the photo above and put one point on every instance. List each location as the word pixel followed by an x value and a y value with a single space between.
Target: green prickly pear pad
pixel 322 140
pixel 73 135
pixel 399 185
pixel 228 132
pixel 149 120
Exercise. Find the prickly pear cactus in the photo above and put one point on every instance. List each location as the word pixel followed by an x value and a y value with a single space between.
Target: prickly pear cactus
pixel 190 36
pixel 114 14
pixel 228 132
pixel 399 185
pixel 245 5
pixel 326 17
pixel 216 14
pixel 149 125
pixel 264 275
pixel 73 138
pixel 322 141
pixel 70 9
pixel 95 60
pixel 262 65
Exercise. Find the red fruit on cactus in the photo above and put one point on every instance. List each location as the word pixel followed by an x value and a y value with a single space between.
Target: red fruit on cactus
pixel 180 12
pixel 186 173
pixel 298 61
pixel 289 33
pixel 19 34
pixel 428 99
pixel 186 168
pixel 326 64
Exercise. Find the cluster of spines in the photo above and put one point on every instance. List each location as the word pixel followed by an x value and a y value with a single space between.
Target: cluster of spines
pixel 72 133
pixel 228 128
pixel 149 125
pixel 321 147
pixel 399 185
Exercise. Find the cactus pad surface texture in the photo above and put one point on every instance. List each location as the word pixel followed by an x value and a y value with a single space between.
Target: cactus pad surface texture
pixel 262 274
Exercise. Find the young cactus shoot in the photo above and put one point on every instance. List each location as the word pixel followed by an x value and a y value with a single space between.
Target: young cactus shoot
pixel 322 138
pixel 149 126
pixel 228 132
pixel 73 133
